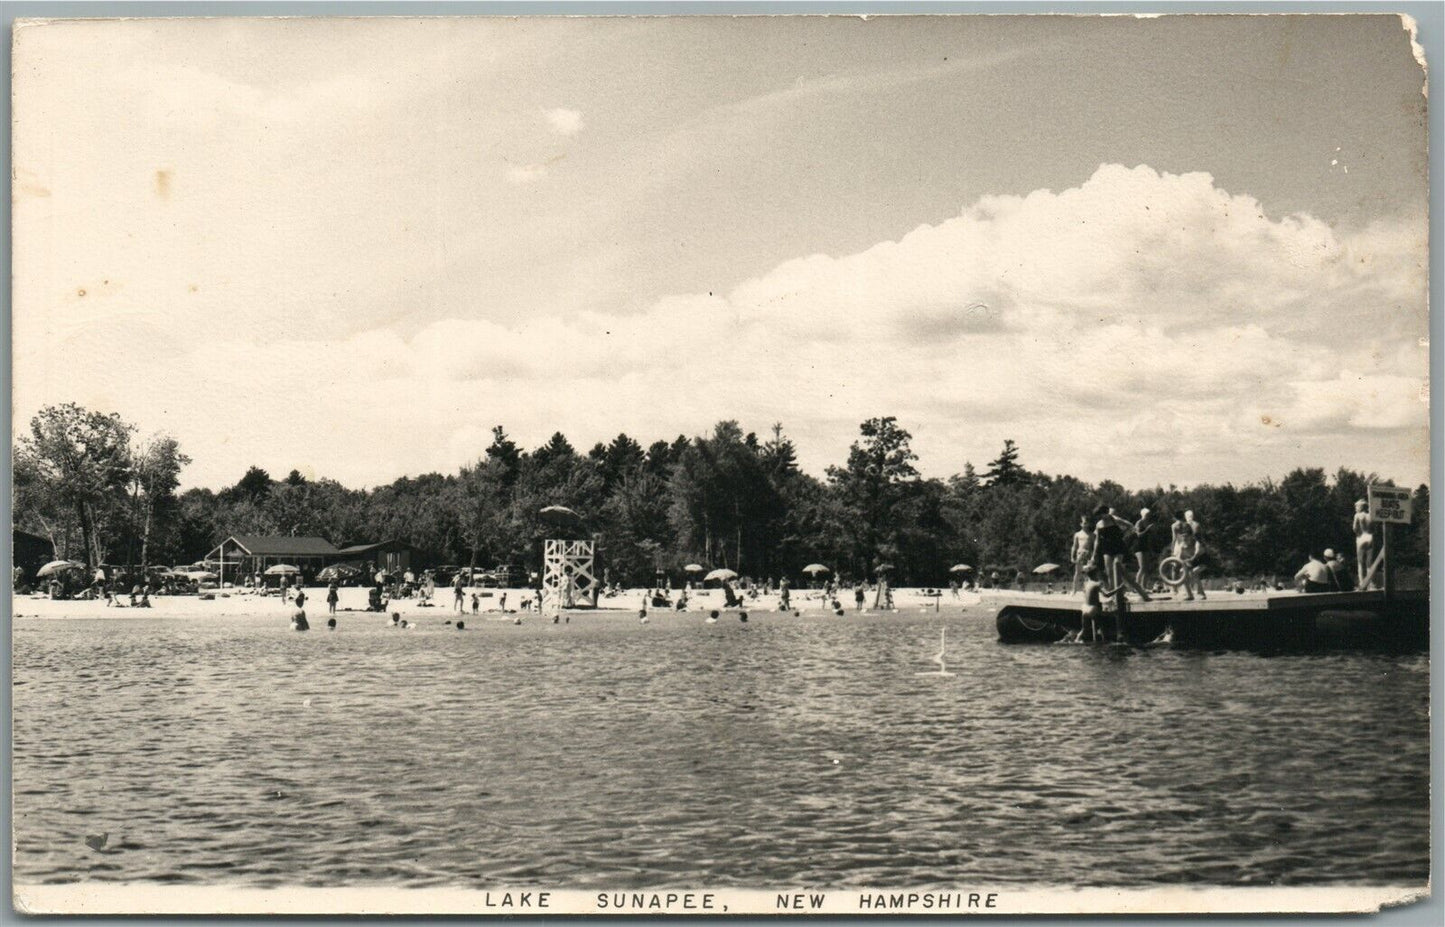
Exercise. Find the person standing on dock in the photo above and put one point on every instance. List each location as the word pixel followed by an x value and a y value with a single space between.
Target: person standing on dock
pixel 1364 528
pixel 1081 552
pixel 1110 548
pixel 1201 557
pixel 1144 542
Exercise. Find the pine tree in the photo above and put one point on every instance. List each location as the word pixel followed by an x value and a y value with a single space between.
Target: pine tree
pixel 1004 470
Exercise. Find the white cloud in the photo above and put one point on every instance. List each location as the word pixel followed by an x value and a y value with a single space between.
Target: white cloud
pixel 563 121
pixel 1144 327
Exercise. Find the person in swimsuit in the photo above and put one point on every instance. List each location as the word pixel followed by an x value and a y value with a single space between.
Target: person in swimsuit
pixel 331 597
pixel 1093 610
pixel 1081 552
pixel 1364 528
pixel 1201 558
pixel 1110 550
pixel 1143 544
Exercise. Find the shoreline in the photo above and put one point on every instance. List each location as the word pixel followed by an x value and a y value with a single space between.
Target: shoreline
pixel 231 603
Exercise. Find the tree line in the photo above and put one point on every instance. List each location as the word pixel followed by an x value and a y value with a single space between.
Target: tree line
pixel 100 493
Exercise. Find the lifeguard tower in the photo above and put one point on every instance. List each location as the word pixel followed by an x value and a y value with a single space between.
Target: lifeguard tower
pixel 568 566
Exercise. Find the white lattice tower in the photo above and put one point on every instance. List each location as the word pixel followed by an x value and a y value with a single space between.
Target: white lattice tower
pixel 566 574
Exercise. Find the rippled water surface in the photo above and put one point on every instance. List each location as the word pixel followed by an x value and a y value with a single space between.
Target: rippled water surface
pixel 785 751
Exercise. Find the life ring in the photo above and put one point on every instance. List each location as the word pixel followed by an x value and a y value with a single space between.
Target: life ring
pixel 1173 571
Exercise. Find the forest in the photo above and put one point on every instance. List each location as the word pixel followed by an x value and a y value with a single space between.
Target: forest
pixel 101 493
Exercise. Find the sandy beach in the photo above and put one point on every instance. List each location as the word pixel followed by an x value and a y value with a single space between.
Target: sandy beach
pixel 352 601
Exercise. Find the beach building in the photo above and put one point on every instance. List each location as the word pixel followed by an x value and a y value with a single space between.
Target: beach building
pixel 391 556
pixel 31 551
pixel 253 554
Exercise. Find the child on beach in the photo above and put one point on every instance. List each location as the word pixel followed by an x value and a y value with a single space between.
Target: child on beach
pixel 331 598
pixel 476 604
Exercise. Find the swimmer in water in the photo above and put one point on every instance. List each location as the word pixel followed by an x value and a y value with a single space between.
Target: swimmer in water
pixel 1093 610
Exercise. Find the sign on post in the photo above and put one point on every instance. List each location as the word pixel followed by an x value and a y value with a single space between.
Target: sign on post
pixel 1390 505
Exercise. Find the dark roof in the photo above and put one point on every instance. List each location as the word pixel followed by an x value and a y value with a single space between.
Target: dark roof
pixel 284 545
pixel 27 537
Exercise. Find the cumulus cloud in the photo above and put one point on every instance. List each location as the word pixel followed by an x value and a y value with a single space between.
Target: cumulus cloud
pixel 1142 326
pixel 563 121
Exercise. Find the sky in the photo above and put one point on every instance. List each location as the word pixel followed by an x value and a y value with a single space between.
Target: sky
pixel 1159 251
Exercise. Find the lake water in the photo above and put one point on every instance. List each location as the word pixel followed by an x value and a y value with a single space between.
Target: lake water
pixel 786 751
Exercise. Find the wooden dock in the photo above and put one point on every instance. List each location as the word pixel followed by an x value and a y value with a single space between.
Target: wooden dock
pixel 1274 620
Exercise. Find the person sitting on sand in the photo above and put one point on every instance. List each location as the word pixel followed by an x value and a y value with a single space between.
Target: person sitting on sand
pixel 1314 576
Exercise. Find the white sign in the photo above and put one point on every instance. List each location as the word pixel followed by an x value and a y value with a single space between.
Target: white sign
pixel 1390 505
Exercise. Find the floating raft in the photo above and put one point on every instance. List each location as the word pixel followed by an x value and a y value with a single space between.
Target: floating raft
pixel 1281 620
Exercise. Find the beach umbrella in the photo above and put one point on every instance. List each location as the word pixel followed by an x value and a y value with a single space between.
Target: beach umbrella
pixel 815 569
pixel 282 569
pixel 339 571
pixel 722 574
pixel 694 568
pixel 1046 568
pixel 59 566
pixel 883 568
pixel 559 516
pixel 960 568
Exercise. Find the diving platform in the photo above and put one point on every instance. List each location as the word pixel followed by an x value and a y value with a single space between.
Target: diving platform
pixel 1291 620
